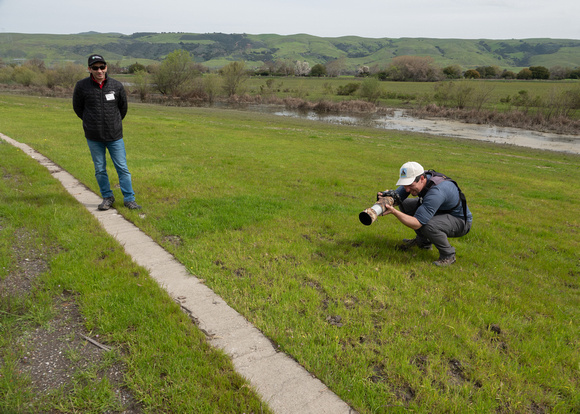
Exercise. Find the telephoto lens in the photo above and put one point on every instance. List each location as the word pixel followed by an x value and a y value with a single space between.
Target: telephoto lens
pixel 369 216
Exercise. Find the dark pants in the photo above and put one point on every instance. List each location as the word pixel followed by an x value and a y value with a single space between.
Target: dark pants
pixel 438 229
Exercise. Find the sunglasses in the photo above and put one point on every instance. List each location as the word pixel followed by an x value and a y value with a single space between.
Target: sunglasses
pixel 95 68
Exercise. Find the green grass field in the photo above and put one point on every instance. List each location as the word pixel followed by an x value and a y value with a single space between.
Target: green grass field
pixel 265 210
pixel 318 88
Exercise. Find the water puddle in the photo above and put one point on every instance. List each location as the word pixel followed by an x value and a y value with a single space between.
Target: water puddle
pixel 401 122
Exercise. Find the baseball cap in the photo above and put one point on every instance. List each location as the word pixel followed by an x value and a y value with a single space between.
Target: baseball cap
pixel 408 172
pixel 95 59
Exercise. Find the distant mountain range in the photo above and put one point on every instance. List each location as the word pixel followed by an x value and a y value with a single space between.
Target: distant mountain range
pixel 217 49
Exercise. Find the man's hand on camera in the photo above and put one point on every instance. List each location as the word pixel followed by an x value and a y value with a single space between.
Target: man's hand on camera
pixel 388 209
pixel 390 193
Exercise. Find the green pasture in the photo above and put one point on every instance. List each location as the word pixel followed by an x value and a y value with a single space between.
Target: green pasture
pixel 265 210
pixel 325 88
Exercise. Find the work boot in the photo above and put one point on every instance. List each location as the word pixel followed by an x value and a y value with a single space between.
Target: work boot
pixel 445 261
pixel 410 243
pixel 131 205
pixel 107 203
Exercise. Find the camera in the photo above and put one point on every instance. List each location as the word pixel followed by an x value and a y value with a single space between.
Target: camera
pixel 389 197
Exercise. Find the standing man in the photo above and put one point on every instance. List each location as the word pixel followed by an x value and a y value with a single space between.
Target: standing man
pixel 439 211
pixel 101 103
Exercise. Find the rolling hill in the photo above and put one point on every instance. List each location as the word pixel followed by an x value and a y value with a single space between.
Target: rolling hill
pixel 217 49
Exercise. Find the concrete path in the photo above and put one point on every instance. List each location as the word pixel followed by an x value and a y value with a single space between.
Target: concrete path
pixel 281 382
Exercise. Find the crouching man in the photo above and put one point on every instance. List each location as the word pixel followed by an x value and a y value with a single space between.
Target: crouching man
pixel 438 212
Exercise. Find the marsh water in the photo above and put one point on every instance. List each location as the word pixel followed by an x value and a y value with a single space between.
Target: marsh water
pixel 400 121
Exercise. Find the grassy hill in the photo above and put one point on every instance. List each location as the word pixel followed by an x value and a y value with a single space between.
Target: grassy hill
pixel 216 49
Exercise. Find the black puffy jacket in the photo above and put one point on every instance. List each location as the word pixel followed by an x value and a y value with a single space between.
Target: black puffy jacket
pixel 101 109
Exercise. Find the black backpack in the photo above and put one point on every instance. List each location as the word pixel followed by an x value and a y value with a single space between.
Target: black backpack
pixel 438 178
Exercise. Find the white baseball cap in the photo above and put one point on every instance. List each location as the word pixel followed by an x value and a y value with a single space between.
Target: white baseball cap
pixel 408 172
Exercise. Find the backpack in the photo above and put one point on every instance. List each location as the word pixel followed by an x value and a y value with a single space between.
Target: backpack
pixel 438 178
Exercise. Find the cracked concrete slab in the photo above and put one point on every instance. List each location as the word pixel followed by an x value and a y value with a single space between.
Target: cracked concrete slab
pixel 281 382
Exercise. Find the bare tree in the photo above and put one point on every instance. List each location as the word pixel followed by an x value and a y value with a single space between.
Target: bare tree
pixel 453 94
pixel 36 65
pixel 285 67
pixel 559 72
pixel 413 68
pixel 334 68
pixel 482 94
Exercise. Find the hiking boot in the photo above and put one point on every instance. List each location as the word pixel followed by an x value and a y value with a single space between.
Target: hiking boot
pixel 131 205
pixel 445 261
pixel 107 203
pixel 410 243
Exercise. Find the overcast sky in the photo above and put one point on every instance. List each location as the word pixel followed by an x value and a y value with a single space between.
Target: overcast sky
pixel 463 19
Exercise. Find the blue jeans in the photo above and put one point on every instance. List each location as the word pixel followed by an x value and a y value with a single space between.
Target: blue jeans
pixel 119 158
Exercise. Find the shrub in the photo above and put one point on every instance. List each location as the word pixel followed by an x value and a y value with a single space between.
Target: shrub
pixel 540 72
pixel 327 88
pixel 508 74
pixel 65 76
pixel 488 72
pixel 136 67
pixel 211 85
pixel 525 74
pixel 383 75
pixel 370 89
pixel 452 72
pixel 141 84
pixel 233 77
pixel 524 101
pixel 573 97
pixel 23 75
pixel 402 96
pixel 457 95
pixel 348 89
pixel 6 74
pixel 507 99
pixel 575 74
pixel 318 70
pixel 472 74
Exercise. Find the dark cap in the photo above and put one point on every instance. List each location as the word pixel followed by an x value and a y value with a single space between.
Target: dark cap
pixel 95 59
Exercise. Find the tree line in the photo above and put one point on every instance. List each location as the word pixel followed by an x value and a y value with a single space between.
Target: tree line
pixel 177 73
